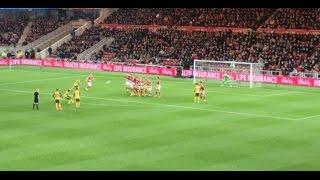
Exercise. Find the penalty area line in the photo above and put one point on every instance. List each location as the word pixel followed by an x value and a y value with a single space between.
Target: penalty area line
pixel 308 117
pixel 21 82
pixel 171 105
pixel 95 104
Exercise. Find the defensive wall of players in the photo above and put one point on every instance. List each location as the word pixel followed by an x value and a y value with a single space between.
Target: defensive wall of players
pixel 166 71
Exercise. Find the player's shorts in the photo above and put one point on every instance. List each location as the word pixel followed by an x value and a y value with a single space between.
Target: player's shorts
pixel 36 101
pixel 77 100
pixel 68 97
pixel 203 93
pixel 89 84
pixel 197 94
pixel 57 101
pixel 129 84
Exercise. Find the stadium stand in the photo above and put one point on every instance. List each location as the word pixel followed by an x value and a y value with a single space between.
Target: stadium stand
pixel 227 17
pixel 80 43
pixel 284 52
pixel 42 26
pixel 303 18
pixel 170 46
pixel 11 30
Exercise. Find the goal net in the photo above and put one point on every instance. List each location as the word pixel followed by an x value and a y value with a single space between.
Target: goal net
pixel 227 73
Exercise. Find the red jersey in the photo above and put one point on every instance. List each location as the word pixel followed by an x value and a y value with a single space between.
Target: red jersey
pixel 90 78
pixel 136 81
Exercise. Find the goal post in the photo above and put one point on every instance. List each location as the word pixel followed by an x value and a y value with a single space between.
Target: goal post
pixel 241 72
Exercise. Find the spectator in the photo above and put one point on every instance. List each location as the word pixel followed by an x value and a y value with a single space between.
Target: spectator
pixel 50 51
pixel 27 54
pixel 73 33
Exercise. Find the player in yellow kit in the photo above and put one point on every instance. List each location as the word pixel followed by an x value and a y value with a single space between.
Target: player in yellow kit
pixel 158 88
pixel 76 95
pixel 202 92
pixel 57 98
pixel 76 85
pixel 145 87
pixel 67 96
pixel 149 87
pixel 197 91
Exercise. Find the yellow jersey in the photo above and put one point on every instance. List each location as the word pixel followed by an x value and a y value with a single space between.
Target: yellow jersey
pixel 76 84
pixel 197 89
pixel 67 94
pixel 57 95
pixel 77 94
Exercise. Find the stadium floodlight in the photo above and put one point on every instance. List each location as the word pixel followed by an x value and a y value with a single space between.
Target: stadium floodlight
pixel 238 71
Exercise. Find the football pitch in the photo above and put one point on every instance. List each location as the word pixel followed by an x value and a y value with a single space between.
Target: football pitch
pixel 238 128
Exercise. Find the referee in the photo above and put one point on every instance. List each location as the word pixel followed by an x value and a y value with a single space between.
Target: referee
pixel 36 99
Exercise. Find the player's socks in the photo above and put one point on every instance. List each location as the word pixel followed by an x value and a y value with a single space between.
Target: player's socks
pixel 37 106
pixel 33 106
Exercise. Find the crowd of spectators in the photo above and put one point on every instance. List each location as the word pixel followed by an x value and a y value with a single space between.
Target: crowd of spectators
pixel 278 52
pixel 171 47
pixel 42 26
pixel 227 17
pixel 296 18
pixel 11 30
pixel 78 44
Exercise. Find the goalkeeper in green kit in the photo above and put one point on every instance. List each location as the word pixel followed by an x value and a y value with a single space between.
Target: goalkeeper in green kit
pixel 226 80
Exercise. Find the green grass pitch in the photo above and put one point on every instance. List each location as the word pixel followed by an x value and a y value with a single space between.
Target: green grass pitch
pixel 267 128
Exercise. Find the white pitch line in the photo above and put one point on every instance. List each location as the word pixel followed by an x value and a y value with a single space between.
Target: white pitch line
pixel 194 108
pixel 308 117
pixel 280 94
pixel 95 104
pixel 224 92
pixel 170 105
pixel 254 95
pixel 21 82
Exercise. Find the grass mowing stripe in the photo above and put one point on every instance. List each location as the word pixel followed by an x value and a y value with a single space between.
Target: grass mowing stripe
pixel 98 137
pixel 111 137
pixel 177 149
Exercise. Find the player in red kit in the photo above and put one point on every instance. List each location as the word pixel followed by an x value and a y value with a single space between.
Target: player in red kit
pixel 89 81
